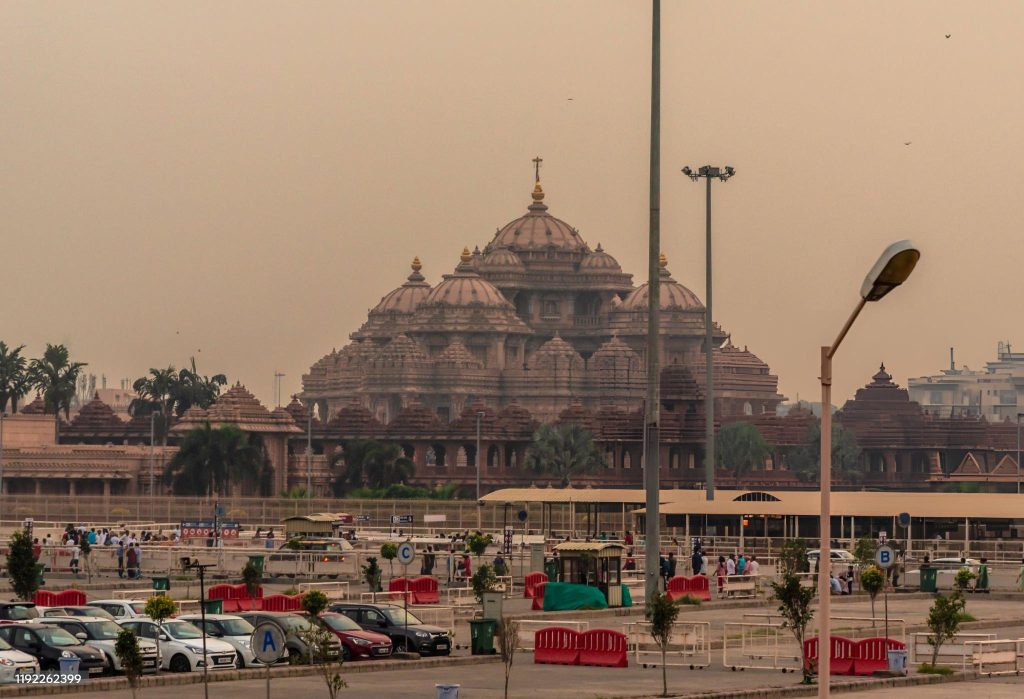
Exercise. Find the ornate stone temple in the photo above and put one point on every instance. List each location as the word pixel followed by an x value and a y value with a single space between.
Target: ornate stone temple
pixel 537 317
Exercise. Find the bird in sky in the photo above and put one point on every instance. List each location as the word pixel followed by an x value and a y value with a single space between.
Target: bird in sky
pixel 570 99
pixel 948 35
pixel 907 143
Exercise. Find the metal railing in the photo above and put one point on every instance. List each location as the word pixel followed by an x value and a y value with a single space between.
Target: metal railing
pixel 760 646
pixel 689 644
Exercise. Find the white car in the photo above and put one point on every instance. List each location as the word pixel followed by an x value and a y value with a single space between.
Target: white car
pixel 14 662
pixel 122 609
pixel 181 645
pixel 231 629
pixel 835 555
pixel 101 634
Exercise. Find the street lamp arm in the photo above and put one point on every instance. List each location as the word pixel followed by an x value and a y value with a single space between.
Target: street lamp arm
pixel 846 328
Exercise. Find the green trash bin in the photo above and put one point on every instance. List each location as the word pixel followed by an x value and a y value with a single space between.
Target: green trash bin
pixel 258 562
pixel 162 584
pixel 481 636
pixel 929 580
pixel 213 606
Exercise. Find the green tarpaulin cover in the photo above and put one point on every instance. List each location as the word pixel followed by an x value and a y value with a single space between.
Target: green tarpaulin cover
pixel 559 597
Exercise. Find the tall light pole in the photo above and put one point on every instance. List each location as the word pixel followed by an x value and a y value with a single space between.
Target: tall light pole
pixel 1019 416
pixel 152 440
pixel 309 457
pixel 479 505
pixel 709 173
pixel 2 415
pixel 891 270
pixel 652 433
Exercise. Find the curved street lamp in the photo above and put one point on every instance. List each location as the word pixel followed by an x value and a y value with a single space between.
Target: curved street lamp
pixel 892 269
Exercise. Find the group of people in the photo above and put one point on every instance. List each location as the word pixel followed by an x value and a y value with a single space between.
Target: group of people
pixel 76 539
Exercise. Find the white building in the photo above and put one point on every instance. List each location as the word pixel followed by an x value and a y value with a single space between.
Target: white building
pixel 994 392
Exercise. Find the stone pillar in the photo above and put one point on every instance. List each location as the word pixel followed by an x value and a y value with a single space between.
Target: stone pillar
pixel 890 465
pixel 39 486
pixel 106 488
pixel 71 487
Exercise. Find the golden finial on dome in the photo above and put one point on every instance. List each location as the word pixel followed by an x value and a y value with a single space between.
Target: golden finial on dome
pixel 466 254
pixel 662 261
pixel 538 193
pixel 416 264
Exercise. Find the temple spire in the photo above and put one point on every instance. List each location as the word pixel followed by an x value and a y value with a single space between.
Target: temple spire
pixel 536 168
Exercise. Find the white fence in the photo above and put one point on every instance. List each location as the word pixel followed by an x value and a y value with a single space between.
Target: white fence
pixel 952 652
pixel 688 646
pixel 998 657
pixel 854 627
pixel 760 646
pixel 333 590
pixel 435 616
pixel 528 627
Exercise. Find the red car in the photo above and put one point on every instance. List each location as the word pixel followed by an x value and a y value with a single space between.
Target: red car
pixel 356 643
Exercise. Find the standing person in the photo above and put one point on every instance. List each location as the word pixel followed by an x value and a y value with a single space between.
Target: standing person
pixel 982 582
pixel 730 565
pixel 138 560
pixel 129 557
pixel 741 565
pixel 500 569
pixel 270 539
pixel 37 548
pixel 671 567
pixel 120 559
pixel 467 566
pixel 426 564
pixel 697 561
pixel 74 551
pixel 721 572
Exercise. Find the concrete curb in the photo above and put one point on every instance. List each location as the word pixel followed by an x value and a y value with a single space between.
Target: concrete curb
pixel 190 678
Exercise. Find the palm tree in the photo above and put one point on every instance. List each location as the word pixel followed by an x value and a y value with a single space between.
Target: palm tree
pixel 56 377
pixel 564 451
pixel 211 458
pixel 14 380
pixel 193 389
pixel 741 447
pixel 156 396
pixel 369 463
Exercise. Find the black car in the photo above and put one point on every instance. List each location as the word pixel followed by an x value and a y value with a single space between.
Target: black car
pixel 406 634
pixel 49 644
pixel 293 626
pixel 18 611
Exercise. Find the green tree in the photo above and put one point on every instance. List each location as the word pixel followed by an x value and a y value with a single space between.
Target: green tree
pixel 155 397
pixel 944 621
pixel 389 552
pixel 872 580
pixel 483 580
pixel 369 463
pixel 21 565
pixel 662 612
pixel 314 603
pixel 793 556
pixel 127 650
pixel 864 550
pixel 371 574
pixel 14 378
pixel 805 460
pixel 795 607
pixel 740 447
pixel 252 578
pixel 563 451
pixel 211 458
pixel 55 376
pixel 319 641
pixel 192 389
pixel 963 579
pixel 158 608
pixel 508 640
pixel 477 544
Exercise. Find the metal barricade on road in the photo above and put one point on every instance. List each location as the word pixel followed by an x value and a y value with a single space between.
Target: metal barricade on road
pixel 689 644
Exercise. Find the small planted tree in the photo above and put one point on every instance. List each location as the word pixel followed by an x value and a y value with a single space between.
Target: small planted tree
pixel 793 556
pixel 252 578
pixel 158 608
pixel 371 574
pixel 21 565
pixel 662 613
pixel 795 607
pixel 872 580
pixel 508 639
pixel 477 544
pixel 944 621
pixel 963 579
pixel 127 650
pixel 389 552
pixel 318 640
pixel 314 603
pixel 483 580
pixel 864 550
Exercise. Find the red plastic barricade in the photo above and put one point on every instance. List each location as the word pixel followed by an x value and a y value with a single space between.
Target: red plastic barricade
pixel 872 656
pixel 397 587
pixel 530 583
pixel 45 598
pixel 696 586
pixel 235 597
pixel 700 588
pixel 843 656
pixel 281 603
pixel 424 590
pixel 538 597
pixel 71 598
pixel 556 645
pixel 604 648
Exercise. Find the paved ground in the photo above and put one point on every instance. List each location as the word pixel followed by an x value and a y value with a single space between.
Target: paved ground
pixel 994 688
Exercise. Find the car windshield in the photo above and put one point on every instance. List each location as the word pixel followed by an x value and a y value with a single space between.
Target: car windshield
pixel 92 611
pixel 20 612
pixel 56 637
pixel 102 630
pixel 4 645
pixel 340 623
pixel 236 627
pixel 182 630
pixel 138 607
pixel 399 617
pixel 294 623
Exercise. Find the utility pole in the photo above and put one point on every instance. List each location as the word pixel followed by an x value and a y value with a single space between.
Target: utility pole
pixel 652 434
pixel 201 568
pixel 479 505
pixel 709 173
pixel 2 415
pixel 309 457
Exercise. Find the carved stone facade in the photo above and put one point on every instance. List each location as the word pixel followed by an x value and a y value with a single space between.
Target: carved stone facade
pixel 536 317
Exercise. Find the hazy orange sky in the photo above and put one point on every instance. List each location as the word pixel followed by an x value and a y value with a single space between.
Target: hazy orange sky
pixel 248 178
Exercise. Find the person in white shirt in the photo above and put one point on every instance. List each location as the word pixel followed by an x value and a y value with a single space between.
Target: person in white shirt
pixel 730 565
pixel 753 566
pixel 837 587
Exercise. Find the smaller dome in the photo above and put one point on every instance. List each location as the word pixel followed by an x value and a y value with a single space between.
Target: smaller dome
pixel 466 288
pixel 502 260
pixel 407 297
pixel 599 262
pixel 672 295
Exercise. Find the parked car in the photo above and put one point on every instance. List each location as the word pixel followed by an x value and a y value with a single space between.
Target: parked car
pixel 181 645
pixel 121 609
pixel 292 626
pixel 48 644
pixel 102 634
pixel 835 555
pixel 15 662
pixel 355 642
pixel 18 611
pixel 82 610
pixel 391 620
pixel 231 629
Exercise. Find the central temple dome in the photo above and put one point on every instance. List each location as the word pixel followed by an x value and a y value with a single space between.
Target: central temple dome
pixel 538 230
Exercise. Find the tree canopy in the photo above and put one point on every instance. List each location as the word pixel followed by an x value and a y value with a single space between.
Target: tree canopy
pixel 740 447
pixel 563 451
pixel 170 391
pixel 805 460
pixel 211 458
pixel 14 378
pixel 55 376
pixel 368 463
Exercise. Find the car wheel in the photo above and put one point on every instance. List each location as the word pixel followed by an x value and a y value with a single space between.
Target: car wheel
pixel 400 645
pixel 110 669
pixel 180 663
pixel 346 654
pixel 295 656
pixel 239 660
